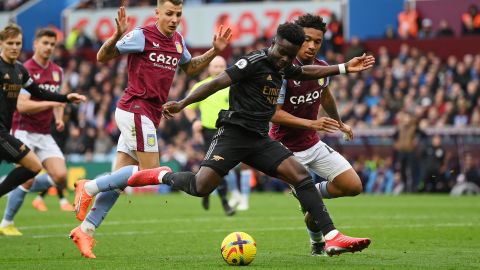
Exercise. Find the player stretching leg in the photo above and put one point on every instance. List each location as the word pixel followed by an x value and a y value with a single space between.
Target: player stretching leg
pixel 255 82
pixel 205 125
pixel 13 78
pixel 154 52
pixel 31 125
pixel 296 126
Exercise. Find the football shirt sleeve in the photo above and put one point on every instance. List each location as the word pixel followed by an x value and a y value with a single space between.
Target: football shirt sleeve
pixel 292 71
pixel 186 56
pixel 133 42
pixel 283 91
pixel 26 79
pixel 240 70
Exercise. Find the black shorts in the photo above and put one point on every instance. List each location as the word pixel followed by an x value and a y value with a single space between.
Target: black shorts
pixel 208 134
pixel 11 148
pixel 233 144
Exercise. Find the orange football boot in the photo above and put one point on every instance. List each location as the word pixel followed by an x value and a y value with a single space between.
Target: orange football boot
pixel 84 242
pixel 82 200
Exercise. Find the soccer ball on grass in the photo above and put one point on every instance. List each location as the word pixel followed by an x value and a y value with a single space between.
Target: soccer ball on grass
pixel 238 248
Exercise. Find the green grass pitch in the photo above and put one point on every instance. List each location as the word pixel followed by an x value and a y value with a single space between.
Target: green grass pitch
pixel 174 232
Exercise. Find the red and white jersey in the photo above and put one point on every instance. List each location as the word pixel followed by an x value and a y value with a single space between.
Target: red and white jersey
pixel 153 59
pixel 301 99
pixel 48 78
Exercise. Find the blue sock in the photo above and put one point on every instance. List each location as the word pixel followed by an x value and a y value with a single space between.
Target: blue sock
pixel 14 202
pixel 103 203
pixel 116 180
pixel 41 183
pixel 245 176
pixel 322 187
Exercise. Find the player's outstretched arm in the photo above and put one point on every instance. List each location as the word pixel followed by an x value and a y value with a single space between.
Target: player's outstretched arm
pixel 202 92
pixel 199 63
pixel 284 118
pixel 27 105
pixel 47 95
pixel 108 50
pixel 330 106
pixel 356 64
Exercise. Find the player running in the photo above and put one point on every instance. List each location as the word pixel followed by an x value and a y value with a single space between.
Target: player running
pixel 31 125
pixel 13 78
pixel 154 53
pixel 296 125
pixel 255 81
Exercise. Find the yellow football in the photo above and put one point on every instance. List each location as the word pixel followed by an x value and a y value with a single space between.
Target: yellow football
pixel 238 248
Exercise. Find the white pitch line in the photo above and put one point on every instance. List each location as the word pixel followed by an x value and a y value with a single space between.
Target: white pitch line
pixel 266 229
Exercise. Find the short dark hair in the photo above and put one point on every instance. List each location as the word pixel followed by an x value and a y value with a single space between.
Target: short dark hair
pixel 45 32
pixel 309 20
pixel 291 32
pixel 11 30
pixel 175 2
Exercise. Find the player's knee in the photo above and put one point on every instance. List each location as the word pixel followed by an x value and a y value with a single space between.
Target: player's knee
pixel 58 177
pixel 355 187
pixel 203 190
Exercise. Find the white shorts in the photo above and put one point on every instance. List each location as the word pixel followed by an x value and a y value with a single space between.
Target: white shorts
pixel 323 161
pixel 137 133
pixel 43 145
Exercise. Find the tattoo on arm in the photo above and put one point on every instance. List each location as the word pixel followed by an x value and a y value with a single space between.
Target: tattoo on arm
pixel 108 50
pixel 199 63
pixel 329 104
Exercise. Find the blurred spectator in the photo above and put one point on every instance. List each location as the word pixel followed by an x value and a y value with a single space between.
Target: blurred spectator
pixel 444 29
pixel 471 21
pixel 11 4
pixel 408 21
pixel 407 139
pixel 390 33
pixel 334 34
pixel 433 175
pixel 426 31
pixel 354 49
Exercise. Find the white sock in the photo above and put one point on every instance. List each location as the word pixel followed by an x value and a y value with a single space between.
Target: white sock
pixel 87 227
pixel 5 223
pixel 39 197
pixel 63 201
pixel 331 235
pixel 91 188
pixel 161 175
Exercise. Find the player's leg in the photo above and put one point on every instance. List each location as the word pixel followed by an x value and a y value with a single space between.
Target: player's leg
pixel 222 189
pixel 82 235
pixel 142 146
pixel 287 168
pixel 57 171
pixel 245 177
pixel 294 173
pixel 15 151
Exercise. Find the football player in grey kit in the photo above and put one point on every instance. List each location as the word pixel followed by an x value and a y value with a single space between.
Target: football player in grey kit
pixel 154 53
pixel 296 125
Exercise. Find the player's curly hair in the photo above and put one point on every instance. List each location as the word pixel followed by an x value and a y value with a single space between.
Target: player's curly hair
pixel 291 32
pixel 309 20
pixel 10 31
